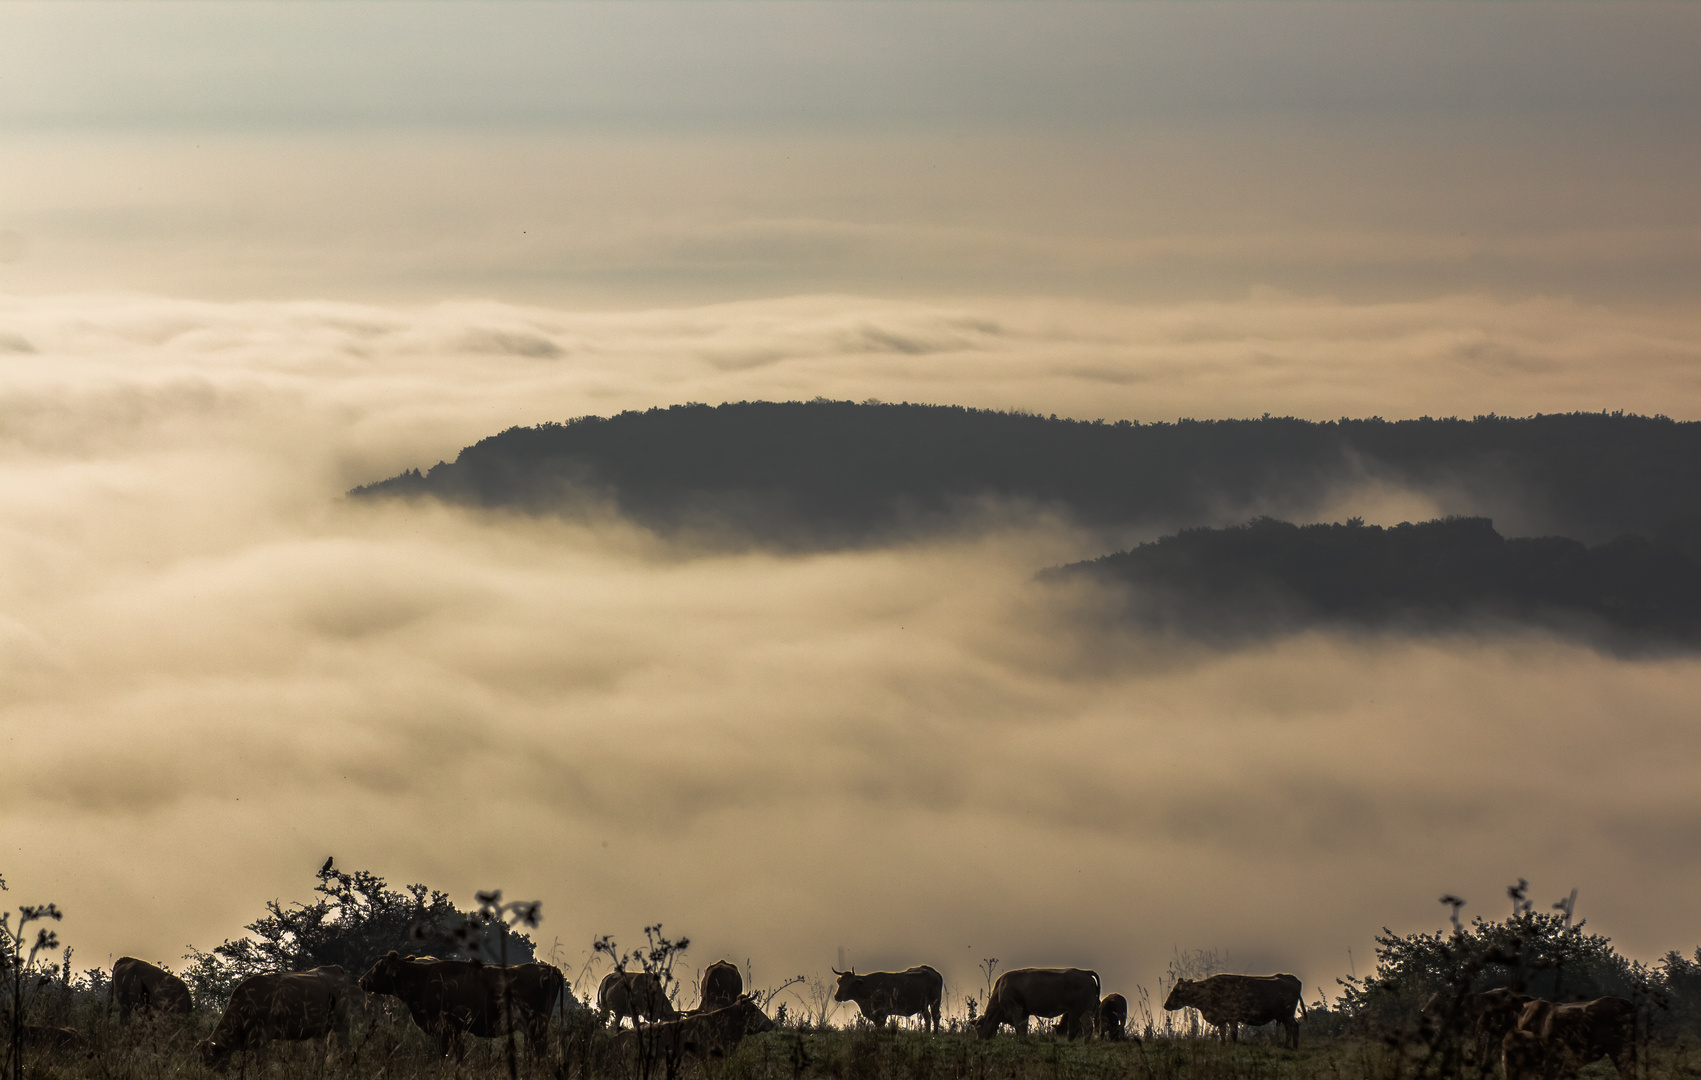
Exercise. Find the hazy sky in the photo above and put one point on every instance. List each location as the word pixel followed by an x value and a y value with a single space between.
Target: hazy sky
pixel 252 255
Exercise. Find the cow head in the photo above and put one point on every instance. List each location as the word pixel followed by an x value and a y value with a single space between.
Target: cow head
pixel 1184 994
pixel 850 985
pixel 384 976
pixel 755 1020
pixel 213 1054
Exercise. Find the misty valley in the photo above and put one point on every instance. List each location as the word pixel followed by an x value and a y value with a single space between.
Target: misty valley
pixel 1021 540
pixel 669 646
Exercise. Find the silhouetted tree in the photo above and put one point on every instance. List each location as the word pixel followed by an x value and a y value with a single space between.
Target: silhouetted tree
pixel 355 919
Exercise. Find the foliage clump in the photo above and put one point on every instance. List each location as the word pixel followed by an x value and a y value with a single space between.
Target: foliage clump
pixel 1535 953
pixel 355 919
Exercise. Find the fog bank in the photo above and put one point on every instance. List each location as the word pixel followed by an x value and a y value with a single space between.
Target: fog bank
pixel 216 671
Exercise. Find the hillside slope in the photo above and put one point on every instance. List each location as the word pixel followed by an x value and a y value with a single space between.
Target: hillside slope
pixel 826 473
pixel 1269 576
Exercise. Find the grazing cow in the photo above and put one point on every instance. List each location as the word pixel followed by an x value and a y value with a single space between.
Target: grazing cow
pixel 294 1005
pixel 722 985
pixel 1482 1018
pixel 1552 1041
pixel 138 986
pixel 450 998
pixel 880 994
pixel 1069 993
pixel 635 994
pixel 1113 1018
pixel 1227 1001
pixel 707 1034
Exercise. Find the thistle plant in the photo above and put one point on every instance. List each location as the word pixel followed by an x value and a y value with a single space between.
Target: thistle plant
pixel 15 963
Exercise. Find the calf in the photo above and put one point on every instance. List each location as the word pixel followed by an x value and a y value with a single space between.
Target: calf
pixel 722 985
pixel 1113 1018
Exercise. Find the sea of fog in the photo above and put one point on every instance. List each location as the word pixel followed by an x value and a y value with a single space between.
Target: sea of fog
pixel 215 670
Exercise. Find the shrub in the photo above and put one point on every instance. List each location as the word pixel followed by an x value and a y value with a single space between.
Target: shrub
pixel 355 920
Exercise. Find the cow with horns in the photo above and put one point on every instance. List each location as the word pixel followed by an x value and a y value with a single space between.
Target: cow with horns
pixel 880 994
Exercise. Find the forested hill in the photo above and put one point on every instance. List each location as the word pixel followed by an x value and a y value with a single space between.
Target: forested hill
pixel 1270 575
pixel 827 473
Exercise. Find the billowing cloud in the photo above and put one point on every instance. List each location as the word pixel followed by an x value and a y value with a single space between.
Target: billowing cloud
pixel 216 671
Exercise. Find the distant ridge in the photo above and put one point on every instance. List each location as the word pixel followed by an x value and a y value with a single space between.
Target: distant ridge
pixel 1271 575
pixel 829 473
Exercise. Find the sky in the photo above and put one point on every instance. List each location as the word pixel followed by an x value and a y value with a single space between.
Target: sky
pixel 252 255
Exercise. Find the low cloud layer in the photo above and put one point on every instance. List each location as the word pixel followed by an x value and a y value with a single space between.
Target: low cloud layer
pixel 1590 204
pixel 217 671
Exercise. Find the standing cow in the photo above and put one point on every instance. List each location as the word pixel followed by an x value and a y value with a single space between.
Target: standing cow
pixel 722 985
pixel 138 986
pixel 1553 1041
pixel 880 994
pixel 449 999
pixel 1069 993
pixel 292 1005
pixel 1227 1001
pixel 637 994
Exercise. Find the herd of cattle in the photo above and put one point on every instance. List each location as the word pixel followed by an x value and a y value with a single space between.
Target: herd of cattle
pixel 449 999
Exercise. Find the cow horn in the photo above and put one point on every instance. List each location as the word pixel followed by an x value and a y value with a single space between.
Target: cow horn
pixel 835 970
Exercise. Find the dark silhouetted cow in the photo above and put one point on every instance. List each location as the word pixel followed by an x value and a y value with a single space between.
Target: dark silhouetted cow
pixel 712 1033
pixel 1552 1041
pixel 1072 994
pixel 292 1005
pixel 1227 1001
pixel 1479 1021
pixel 880 994
pixel 635 994
pixel 449 999
pixel 722 985
pixel 138 986
pixel 1113 1018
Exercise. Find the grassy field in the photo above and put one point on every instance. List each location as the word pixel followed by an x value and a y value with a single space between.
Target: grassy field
pixel 390 1046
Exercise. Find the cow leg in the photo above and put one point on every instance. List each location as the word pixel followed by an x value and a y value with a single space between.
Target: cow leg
pixel 537 1035
pixel 1293 1032
pixel 933 1018
pixel 1623 1049
pixel 1020 1024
